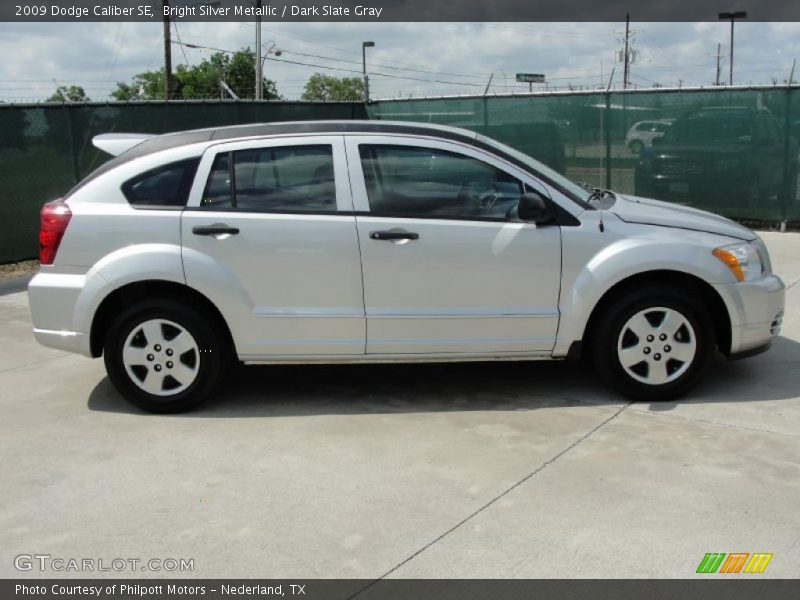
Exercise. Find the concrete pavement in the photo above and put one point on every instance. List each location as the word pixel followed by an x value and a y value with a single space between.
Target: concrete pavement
pixel 476 470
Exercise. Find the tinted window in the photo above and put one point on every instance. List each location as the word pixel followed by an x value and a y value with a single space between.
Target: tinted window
pixel 291 178
pixel 413 181
pixel 165 186
pixel 712 127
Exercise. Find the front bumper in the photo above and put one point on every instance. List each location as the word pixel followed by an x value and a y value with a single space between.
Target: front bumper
pixel 756 311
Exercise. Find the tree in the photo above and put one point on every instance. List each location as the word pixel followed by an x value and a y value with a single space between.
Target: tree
pixel 73 93
pixel 333 89
pixel 202 80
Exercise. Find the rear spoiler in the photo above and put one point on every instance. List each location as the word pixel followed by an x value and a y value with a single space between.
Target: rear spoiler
pixel 117 143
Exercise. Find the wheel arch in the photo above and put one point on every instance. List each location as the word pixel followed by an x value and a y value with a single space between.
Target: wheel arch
pixel 130 293
pixel 680 280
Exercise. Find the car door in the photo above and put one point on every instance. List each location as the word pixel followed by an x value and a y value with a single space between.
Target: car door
pixel 447 267
pixel 269 236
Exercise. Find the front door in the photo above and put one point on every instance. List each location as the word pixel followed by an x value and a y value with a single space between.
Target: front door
pixel 448 268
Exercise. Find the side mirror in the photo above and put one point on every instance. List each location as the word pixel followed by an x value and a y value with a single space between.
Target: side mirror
pixel 533 207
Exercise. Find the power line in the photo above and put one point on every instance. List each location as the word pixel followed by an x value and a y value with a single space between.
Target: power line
pixel 393 65
pixel 340 69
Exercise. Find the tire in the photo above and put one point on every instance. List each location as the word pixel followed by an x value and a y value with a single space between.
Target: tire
pixel 636 147
pixel 158 343
pixel 668 367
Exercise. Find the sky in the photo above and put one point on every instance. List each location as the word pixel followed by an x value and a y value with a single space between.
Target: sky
pixel 409 59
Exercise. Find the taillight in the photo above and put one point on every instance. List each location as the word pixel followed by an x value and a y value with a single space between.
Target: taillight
pixel 55 217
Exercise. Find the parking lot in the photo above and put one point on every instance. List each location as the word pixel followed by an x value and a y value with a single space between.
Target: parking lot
pixel 456 470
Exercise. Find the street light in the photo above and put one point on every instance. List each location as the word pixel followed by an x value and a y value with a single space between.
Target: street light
pixel 724 16
pixel 364 46
pixel 259 91
pixel 260 60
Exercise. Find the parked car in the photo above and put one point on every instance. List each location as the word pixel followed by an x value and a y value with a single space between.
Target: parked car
pixel 358 241
pixel 642 134
pixel 722 156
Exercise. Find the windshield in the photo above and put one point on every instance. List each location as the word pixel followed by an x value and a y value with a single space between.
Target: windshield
pixel 570 186
pixel 708 127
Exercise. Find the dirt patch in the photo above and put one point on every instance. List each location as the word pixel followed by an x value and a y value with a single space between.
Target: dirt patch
pixel 11 270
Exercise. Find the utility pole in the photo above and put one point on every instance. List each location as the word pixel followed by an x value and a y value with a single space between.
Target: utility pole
pixel 718 56
pixel 724 16
pixel 259 70
pixel 167 52
pixel 364 46
pixel 626 75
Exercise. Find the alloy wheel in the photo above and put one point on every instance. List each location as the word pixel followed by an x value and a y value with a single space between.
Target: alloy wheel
pixel 656 345
pixel 161 357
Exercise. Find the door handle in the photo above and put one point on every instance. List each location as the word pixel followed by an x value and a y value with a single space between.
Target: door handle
pixel 216 229
pixel 393 235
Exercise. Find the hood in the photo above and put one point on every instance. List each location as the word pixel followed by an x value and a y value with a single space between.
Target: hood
pixel 633 209
pixel 700 148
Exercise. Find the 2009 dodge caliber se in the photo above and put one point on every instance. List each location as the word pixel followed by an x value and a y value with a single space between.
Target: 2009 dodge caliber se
pixel 378 241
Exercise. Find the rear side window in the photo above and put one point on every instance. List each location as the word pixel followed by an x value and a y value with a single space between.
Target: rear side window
pixel 163 187
pixel 285 179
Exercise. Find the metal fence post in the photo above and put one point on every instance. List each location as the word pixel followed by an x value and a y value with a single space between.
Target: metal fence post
pixel 607 136
pixel 787 181
pixel 73 148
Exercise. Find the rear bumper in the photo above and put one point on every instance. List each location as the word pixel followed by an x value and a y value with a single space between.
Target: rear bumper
pixel 756 312
pixel 53 300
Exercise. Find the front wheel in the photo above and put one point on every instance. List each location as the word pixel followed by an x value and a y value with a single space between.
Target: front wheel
pixel 654 344
pixel 164 356
pixel 636 147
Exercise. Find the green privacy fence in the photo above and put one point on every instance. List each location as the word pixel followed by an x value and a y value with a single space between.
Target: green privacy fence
pixel 730 151
pixel 46 149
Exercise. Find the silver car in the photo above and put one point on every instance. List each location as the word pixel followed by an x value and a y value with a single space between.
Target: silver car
pixel 356 241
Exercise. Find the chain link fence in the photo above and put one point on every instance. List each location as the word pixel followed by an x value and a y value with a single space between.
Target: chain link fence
pixel 731 151
pixel 46 149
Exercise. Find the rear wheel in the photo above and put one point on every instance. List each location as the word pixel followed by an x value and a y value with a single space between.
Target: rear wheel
pixel 164 356
pixel 636 146
pixel 654 345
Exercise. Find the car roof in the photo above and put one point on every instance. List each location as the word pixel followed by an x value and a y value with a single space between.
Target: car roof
pixel 232 132
pixel 168 141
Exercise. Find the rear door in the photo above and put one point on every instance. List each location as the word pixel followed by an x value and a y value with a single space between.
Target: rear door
pixel 269 236
pixel 448 268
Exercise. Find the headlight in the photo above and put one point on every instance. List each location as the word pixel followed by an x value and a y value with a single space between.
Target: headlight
pixel 742 259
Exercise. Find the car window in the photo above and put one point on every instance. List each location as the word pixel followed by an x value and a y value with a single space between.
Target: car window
pixel 283 179
pixel 165 186
pixel 427 182
pixel 705 127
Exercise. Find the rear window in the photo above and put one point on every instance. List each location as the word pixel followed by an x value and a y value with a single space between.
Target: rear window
pixel 279 179
pixel 163 187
